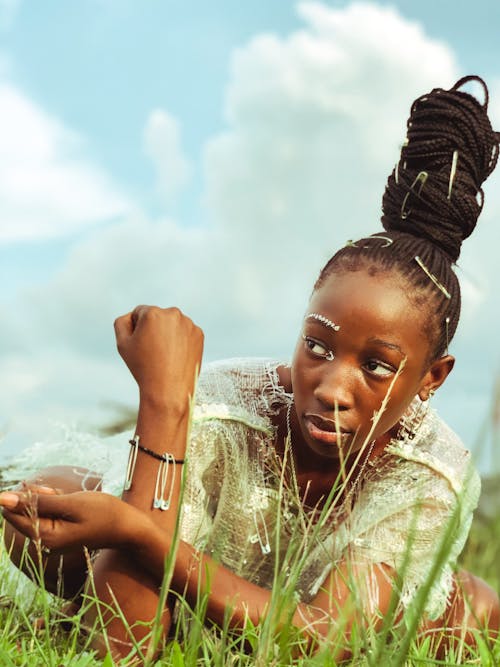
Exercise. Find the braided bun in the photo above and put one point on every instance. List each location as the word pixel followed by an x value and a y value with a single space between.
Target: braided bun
pixel 435 190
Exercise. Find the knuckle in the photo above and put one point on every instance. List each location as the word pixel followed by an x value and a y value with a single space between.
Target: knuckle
pixel 149 313
pixel 174 312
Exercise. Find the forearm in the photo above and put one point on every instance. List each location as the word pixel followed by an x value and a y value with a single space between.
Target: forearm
pixel 160 429
pixel 352 595
pixel 117 581
pixel 228 595
pixel 163 350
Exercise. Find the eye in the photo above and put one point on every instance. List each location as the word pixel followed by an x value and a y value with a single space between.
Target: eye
pixel 379 368
pixel 317 349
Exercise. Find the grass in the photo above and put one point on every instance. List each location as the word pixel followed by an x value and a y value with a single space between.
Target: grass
pixel 61 642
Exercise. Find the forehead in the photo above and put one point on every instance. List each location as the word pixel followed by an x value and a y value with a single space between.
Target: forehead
pixel 373 306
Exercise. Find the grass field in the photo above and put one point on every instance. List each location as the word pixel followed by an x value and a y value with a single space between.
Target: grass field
pixel 59 641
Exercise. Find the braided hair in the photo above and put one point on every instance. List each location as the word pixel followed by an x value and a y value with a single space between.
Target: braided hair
pixel 431 204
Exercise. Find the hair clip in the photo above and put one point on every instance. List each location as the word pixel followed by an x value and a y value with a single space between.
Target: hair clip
pixel 160 500
pixel 265 547
pixel 432 277
pixel 453 171
pixel 447 324
pixel 421 178
pixel 132 458
pixel 166 472
pixel 324 320
pixel 388 241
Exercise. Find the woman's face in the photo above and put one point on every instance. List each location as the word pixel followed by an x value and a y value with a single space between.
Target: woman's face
pixel 352 368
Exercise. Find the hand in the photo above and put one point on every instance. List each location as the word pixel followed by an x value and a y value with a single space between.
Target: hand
pixel 163 350
pixel 91 518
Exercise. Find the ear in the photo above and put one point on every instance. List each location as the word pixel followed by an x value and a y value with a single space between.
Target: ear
pixel 435 376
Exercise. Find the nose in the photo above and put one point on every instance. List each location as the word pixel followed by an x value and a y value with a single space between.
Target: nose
pixel 335 386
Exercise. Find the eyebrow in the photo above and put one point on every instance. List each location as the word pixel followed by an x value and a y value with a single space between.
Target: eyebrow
pixel 385 343
pixel 316 320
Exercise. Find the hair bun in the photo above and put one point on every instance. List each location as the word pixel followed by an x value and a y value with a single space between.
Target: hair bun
pixel 435 191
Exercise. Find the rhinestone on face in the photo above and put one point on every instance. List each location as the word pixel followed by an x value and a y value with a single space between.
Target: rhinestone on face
pixel 324 320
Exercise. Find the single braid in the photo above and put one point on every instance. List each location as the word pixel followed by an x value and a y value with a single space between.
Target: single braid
pixel 431 204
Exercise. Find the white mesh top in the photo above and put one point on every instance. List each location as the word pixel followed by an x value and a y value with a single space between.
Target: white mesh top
pixel 236 489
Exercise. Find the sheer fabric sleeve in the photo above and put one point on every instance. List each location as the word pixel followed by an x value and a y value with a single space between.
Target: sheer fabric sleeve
pixel 419 494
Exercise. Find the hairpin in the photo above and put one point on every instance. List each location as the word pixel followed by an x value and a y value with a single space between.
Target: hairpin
pixel 432 277
pixel 421 178
pixel 453 171
pixel 388 241
pixel 165 475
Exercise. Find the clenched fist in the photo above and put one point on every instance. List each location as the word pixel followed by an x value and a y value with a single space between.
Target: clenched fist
pixel 163 350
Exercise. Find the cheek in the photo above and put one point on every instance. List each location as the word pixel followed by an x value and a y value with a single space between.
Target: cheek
pixel 297 351
pixel 298 367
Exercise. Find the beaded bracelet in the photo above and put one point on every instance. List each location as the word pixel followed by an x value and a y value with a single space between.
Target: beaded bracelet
pixel 159 457
pixel 161 500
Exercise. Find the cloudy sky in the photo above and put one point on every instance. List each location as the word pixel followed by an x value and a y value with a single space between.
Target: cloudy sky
pixel 210 155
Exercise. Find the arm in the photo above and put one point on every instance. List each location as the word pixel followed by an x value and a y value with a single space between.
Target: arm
pixel 162 349
pixel 350 595
pixel 99 520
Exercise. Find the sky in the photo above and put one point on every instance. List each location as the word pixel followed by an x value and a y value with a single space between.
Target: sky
pixel 212 155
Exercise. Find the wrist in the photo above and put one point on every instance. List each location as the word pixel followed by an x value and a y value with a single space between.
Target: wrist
pixel 166 457
pixel 149 544
pixel 162 405
pixel 131 523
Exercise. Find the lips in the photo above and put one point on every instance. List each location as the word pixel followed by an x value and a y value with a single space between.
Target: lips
pixel 324 430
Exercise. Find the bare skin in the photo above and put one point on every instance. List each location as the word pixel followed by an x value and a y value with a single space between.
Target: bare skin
pixel 162 349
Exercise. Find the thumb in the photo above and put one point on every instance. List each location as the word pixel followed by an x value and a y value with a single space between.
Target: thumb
pixel 9 500
pixel 44 504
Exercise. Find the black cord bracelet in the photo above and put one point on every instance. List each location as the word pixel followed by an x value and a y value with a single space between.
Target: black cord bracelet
pixel 166 458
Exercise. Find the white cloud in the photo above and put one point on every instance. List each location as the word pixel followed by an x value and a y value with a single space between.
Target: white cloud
pixel 315 124
pixel 162 140
pixel 47 187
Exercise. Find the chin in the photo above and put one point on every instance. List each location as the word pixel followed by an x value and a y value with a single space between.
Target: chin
pixel 325 450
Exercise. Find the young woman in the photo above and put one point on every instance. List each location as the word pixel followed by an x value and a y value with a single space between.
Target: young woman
pixel 338 450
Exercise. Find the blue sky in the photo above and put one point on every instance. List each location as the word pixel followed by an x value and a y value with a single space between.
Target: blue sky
pixel 210 155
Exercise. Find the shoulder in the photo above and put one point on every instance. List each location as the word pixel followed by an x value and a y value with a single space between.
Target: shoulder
pixel 439 450
pixel 433 470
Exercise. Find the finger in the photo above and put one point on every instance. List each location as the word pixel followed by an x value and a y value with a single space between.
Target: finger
pixel 22 522
pixel 46 505
pixel 37 488
pixel 124 328
pixel 20 502
pixel 140 313
pixel 9 500
pixel 135 315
